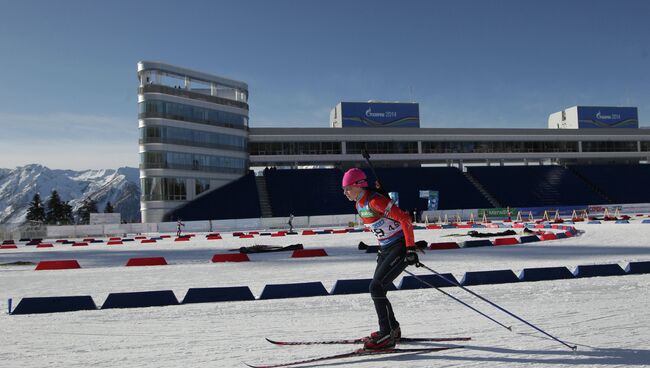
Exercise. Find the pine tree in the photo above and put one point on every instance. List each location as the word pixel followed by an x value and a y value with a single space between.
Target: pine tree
pixel 108 208
pixel 54 208
pixel 66 214
pixel 89 206
pixel 36 211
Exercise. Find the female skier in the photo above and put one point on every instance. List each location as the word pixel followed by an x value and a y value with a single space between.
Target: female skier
pixel 392 227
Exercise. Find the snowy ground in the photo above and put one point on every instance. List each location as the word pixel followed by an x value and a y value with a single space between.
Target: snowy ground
pixel 607 316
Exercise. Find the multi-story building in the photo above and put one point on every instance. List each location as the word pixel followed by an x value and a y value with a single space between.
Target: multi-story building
pixel 193 135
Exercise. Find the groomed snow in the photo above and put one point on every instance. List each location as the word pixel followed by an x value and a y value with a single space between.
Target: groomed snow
pixel 607 316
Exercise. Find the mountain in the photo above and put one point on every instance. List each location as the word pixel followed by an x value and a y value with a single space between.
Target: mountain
pixel 17 188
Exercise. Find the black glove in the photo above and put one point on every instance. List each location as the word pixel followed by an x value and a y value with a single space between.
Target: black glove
pixel 412 257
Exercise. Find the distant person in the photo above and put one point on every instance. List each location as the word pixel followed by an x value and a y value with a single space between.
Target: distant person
pixel 290 222
pixel 393 228
pixel 179 224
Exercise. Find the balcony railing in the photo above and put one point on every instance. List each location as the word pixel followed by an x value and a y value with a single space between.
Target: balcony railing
pixel 182 142
pixel 157 88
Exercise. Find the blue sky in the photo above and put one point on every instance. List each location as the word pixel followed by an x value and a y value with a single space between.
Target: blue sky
pixel 68 79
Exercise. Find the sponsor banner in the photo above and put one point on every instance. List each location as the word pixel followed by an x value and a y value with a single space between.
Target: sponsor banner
pixel 378 114
pixel 607 117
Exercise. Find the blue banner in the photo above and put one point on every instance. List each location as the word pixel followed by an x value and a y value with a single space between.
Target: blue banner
pixel 380 114
pixel 607 117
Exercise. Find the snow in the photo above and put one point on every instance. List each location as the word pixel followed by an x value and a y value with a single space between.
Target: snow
pixel 606 316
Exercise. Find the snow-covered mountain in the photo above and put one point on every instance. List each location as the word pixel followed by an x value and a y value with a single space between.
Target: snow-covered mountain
pixel 121 187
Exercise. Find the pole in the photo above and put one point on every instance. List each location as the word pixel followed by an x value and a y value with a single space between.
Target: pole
pixel 459 301
pixel 499 308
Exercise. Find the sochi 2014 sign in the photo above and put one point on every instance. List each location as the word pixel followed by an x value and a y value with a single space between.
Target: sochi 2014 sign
pixel 380 114
pixel 607 117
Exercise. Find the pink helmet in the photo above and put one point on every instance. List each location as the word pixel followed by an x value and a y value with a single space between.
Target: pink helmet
pixel 355 177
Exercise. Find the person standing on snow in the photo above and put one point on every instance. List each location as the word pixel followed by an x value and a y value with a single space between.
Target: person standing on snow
pixel 394 230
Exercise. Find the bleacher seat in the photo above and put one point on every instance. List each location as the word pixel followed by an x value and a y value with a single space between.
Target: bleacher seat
pixel 620 183
pixel 235 200
pixel 535 186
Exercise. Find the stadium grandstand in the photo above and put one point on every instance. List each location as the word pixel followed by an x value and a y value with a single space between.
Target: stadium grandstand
pixel 200 160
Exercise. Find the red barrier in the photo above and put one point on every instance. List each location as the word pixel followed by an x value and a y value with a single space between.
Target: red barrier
pixel 8 246
pixel 253 233
pixel 80 244
pixel 45 245
pixel 568 234
pixel 445 245
pixel 57 265
pixel 140 237
pixel 182 239
pixel 459 226
pixel 114 238
pixel 234 257
pixel 308 232
pixel 339 231
pixel 302 253
pixel 506 241
pixel 88 239
pixel 277 234
pixel 548 236
pixel 247 236
pixel 519 225
pixel 212 234
pixel 144 241
pixel 61 241
pixel 214 237
pixel 165 236
pixel 114 242
pixel 148 261
pixel 433 227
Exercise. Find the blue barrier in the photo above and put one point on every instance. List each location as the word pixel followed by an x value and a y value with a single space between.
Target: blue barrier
pixel 599 270
pixel 448 226
pixel 299 290
pixel 477 243
pixel 545 273
pixel 529 239
pixel 595 222
pixel 54 304
pixel 489 277
pixel 140 299
pixel 358 286
pixel 478 226
pixel 646 221
pixel 636 268
pixel 622 222
pixel 218 294
pixel 410 282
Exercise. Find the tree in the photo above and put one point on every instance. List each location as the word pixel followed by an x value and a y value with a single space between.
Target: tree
pixel 66 214
pixel 108 208
pixel 36 211
pixel 89 206
pixel 54 208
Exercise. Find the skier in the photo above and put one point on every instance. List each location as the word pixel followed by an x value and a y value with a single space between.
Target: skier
pixel 178 228
pixel 394 231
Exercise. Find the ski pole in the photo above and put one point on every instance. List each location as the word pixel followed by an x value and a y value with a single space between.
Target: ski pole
pixel 459 301
pixel 499 307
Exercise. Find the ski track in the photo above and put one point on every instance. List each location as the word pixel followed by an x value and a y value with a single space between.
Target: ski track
pixel 606 316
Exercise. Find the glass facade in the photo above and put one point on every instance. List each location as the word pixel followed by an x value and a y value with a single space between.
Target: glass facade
pixel 163 189
pixel 382 147
pixel 609 146
pixel 201 185
pixel 176 111
pixel 645 146
pixel 192 161
pixel 294 148
pixel 498 147
pixel 189 137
